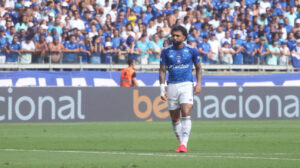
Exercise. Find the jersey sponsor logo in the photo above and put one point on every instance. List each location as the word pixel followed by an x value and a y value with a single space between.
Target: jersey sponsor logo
pixel 181 66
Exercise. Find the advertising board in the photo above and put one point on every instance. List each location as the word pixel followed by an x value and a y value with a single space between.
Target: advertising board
pixel 87 104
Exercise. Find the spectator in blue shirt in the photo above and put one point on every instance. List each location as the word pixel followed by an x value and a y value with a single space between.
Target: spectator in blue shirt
pixel 204 31
pixel 77 35
pixel 13 50
pixel 116 40
pixel 225 15
pixel 205 50
pixel 136 8
pixel 238 57
pixel 277 9
pixel 133 50
pixel 282 4
pixel 249 54
pixel 193 35
pixel 71 50
pixel 87 17
pixel 291 42
pixel 287 25
pixel 249 3
pixel 238 40
pixel 254 31
pixel 167 10
pixel 149 15
pixel 197 25
pixel 120 21
pixel 107 53
pixel 3 44
pixel 261 51
pixel 85 49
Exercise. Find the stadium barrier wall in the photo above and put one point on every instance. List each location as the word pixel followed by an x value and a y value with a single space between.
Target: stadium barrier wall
pixel 101 78
pixel 93 104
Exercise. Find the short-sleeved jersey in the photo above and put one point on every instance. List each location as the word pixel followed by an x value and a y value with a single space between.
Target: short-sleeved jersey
pixel 180 62
pixel 205 47
pixel 249 48
pixel 13 56
pixel 3 42
pixel 70 56
pixel 84 55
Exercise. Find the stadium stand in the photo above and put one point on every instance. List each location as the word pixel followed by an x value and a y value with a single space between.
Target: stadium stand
pixel 103 34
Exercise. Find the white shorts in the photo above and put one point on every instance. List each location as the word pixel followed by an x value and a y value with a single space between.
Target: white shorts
pixel 179 93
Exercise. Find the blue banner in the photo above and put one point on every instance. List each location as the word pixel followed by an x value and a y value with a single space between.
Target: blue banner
pixel 101 78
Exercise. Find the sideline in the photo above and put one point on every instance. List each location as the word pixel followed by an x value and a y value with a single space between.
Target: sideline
pixel 188 155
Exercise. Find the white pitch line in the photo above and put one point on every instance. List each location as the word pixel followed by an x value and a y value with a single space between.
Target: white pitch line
pixel 193 155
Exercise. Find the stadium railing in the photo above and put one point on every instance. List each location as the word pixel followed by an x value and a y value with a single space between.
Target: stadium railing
pixel 139 67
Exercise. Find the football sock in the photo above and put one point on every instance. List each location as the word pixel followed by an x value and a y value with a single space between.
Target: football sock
pixel 177 128
pixel 186 123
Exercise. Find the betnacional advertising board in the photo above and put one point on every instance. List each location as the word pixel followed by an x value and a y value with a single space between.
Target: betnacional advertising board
pixel 92 104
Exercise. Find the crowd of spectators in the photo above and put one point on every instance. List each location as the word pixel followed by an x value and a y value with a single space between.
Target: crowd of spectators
pixel 263 32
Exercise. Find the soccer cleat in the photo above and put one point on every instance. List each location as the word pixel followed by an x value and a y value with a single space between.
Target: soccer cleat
pixel 181 148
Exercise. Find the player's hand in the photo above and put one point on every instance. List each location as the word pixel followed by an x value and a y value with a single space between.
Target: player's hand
pixel 165 97
pixel 197 88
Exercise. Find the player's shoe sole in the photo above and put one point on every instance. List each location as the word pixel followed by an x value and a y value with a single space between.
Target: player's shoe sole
pixel 181 148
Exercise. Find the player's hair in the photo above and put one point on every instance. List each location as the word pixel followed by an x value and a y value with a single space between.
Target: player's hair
pixel 181 29
pixel 130 61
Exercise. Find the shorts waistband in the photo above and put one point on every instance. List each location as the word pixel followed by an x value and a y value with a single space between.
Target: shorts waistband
pixel 181 83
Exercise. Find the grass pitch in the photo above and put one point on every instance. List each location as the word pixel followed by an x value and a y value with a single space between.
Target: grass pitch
pixel 213 144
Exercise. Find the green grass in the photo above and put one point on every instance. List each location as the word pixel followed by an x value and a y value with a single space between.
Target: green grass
pixel 213 144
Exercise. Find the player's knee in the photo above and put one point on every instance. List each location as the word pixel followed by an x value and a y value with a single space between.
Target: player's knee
pixel 175 115
pixel 186 109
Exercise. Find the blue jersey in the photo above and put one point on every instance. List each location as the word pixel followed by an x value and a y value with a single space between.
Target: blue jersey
pixel 116 42
pixel 180 62
pixel 264 49
pixel 13 56
pixel 137 9
pixel 205 47
pixel 249 48
pixel 70 57
pixel 106 58
pixel 84 55
pixel 291 44
pixel 3 42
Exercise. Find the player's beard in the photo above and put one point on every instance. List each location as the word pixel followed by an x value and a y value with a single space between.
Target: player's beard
pixel 176 43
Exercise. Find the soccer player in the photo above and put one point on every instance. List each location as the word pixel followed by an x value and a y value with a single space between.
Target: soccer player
pixel 179 59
